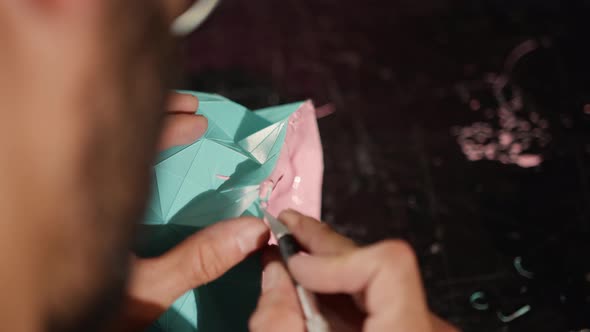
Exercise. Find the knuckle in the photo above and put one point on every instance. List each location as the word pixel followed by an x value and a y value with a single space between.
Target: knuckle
pixel 398 252
pixel 206 265
pixel 312 226
pixel 259 321
pixel 297 223
pixel 319 233
pixel 323 226
pixel 254 321
pixel 186 127
pixel 309 219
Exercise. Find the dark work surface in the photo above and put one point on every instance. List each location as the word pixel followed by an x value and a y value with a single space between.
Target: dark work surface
pixel 406 78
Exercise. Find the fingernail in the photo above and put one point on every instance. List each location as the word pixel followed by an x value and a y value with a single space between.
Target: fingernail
pixel 290 216
pixel 269 276
pixel 251 237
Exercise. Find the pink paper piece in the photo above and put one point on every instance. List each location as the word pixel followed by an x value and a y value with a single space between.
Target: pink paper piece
pixel 296 181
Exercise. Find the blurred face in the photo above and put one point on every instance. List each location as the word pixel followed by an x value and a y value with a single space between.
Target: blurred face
pixel 81 92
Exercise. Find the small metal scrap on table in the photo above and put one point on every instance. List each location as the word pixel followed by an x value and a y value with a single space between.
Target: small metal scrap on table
pixel 288 246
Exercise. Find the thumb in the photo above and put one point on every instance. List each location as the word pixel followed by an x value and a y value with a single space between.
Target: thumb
pixel 198 260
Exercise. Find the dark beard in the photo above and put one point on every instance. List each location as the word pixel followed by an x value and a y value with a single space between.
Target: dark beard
pixel 96 315
pixel 125 98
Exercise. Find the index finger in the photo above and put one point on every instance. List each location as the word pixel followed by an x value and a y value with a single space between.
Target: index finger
pixel 316 236
pixel 182 103
pixel 384 277
pixel 181 129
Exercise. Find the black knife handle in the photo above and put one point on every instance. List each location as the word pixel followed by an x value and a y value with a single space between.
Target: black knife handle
pixel 288 246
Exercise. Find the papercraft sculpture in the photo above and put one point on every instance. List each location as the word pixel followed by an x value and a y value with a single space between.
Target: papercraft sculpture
pixel 271 156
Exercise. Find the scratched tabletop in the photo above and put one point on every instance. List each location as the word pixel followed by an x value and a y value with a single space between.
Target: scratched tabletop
pixel 462 127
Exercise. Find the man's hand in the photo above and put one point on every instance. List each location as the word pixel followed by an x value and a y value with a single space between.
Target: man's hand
pixel 382 282
pixel 182 126
pixel 157 282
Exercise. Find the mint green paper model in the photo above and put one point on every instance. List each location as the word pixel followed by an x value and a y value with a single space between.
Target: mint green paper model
pixel 213 179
